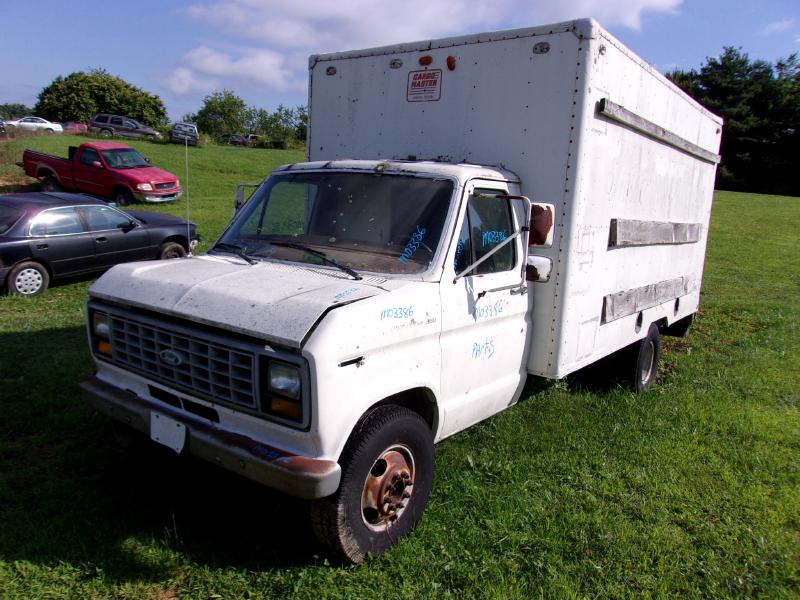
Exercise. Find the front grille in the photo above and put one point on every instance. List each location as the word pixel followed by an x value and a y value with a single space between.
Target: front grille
pixel 206 367
pixel 165 186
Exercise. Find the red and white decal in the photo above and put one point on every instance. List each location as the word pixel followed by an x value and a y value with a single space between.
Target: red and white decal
pixel 424 86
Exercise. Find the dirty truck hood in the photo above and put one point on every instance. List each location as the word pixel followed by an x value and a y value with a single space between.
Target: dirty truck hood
pixel 275 301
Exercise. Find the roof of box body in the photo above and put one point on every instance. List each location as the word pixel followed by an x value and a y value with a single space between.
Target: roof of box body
pixel 583 28
pixel 421 167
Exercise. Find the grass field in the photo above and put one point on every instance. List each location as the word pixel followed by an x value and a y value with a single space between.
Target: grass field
pixel 691 489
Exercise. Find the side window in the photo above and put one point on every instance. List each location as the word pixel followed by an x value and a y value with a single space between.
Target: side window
pixel 131 124
pixel 101 119
pixel 57 221
pixel 488 222
pixel 103 218
pixel 116 120
pixel 88 156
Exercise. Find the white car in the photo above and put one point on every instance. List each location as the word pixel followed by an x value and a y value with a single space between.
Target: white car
pixel 36 124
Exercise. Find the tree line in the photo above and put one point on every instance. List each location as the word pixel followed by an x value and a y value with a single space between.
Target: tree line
pixel 760 104
pixel 80 95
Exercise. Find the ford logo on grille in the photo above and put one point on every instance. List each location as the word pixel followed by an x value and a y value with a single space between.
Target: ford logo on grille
pixel 171 357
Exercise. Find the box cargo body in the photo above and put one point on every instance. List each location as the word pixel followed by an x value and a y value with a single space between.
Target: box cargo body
pixel 627 159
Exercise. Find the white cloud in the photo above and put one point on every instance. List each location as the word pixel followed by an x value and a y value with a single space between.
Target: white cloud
pixel 183 82
pixel 262 67
pixel 285 33
pixel 777 27
pixel 322 25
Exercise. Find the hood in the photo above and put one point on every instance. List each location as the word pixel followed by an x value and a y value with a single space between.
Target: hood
pixel 274 301
pixel 149 175
pixel 153 218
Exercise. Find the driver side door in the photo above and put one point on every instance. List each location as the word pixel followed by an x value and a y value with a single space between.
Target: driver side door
pixel 485 314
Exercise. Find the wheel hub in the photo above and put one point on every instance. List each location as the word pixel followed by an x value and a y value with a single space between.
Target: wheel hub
pixel 28 281
pixel 388 488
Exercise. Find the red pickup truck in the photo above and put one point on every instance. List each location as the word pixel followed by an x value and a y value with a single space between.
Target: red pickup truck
pixel 106 169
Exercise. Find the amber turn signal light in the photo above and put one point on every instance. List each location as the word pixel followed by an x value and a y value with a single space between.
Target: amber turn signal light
pixel 286 408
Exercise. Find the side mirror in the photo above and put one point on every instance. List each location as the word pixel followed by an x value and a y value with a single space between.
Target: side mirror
pixel 147 160
pixel 541 225
pixel 239 199
pixel 126 225
pixel 97 164
pixel 537 267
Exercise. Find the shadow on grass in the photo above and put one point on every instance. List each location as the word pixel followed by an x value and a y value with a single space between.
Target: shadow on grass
pixel 15 188
pixel 70 496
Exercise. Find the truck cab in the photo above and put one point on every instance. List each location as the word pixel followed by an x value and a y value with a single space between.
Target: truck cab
pixel 338 288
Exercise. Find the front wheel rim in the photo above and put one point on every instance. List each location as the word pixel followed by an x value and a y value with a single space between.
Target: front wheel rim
pixel 388 488
pixel 28 281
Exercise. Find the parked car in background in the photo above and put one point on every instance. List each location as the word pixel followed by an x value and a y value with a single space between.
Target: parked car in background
pixel 46 236
pixel 184 133
pixel 106 125
pixel 35 124
pixel 242 139
pixel 75 127
pixel 107 169
pixel 2 128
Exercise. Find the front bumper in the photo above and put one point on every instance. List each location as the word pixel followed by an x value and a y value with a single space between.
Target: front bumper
pixel 156 198
pixel 299 476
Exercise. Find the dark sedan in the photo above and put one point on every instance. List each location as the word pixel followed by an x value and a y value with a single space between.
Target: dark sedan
pixel 45 236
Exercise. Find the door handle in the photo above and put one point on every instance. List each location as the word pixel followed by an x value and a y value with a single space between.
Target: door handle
pixel 101 239
pixel 41 246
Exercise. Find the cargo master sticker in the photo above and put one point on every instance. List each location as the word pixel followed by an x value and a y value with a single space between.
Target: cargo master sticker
pixel 424 86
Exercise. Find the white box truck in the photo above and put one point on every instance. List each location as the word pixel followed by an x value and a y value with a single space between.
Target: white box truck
pixel 474 210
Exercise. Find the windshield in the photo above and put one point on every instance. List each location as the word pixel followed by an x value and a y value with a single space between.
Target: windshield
pixel 124 158
pixel 8 216
pixel 363 221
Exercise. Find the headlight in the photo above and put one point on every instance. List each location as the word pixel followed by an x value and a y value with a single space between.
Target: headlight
pixel 101 333
pixel 144 187
pixel 281 390
pixel 284 380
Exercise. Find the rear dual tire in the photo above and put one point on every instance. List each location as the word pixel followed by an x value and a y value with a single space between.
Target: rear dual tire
pixel 645 355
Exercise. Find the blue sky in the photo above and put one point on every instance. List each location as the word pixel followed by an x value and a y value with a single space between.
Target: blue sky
pixel 259 48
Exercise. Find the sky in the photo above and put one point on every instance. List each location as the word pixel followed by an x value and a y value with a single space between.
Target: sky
pixel 259 49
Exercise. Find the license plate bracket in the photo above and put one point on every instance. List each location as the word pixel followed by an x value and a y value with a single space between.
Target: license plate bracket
pixel 167 431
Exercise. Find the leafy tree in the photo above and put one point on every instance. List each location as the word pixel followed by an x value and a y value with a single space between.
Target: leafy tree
pixel 14 111
pixel 760 104
pixel 222 112
pixel 80 95
pixel 301 123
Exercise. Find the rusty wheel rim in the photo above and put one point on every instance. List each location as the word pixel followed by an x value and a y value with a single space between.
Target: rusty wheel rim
pixel 388 488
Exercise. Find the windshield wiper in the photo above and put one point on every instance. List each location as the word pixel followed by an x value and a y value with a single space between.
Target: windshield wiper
pixel 240 251
pixel 325 258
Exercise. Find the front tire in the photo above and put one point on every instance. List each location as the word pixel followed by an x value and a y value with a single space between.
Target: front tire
pixel 106 133
pixel 171 250
pixel 28 278
pixel 387 474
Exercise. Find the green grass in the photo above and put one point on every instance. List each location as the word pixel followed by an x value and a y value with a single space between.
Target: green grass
pixel 691 489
